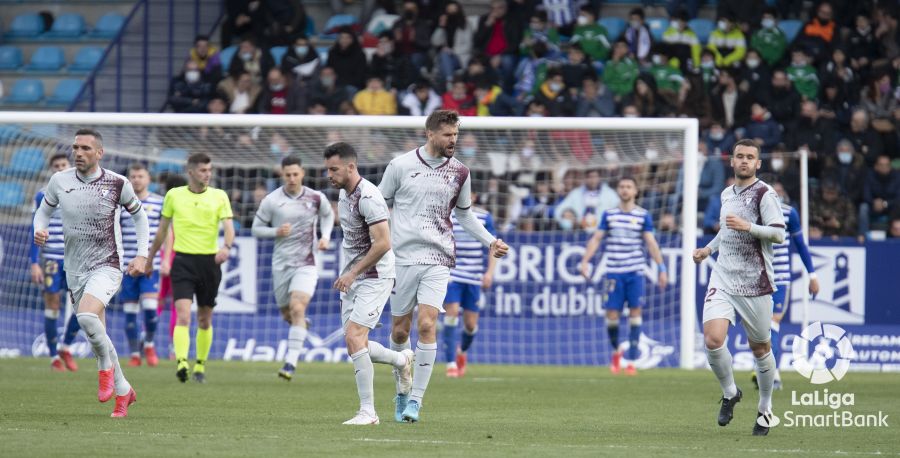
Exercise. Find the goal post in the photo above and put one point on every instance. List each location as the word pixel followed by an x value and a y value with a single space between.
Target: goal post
pixel 537 301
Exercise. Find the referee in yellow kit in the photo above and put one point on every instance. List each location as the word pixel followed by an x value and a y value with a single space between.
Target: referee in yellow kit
pixel 196 210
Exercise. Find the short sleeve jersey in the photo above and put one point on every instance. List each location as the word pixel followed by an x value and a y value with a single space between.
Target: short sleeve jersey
pixel 358 210
pixel 90 213
pixel 195 218
pixel 744 266
pixel 624 231
pixel 423 195
pixel 302 212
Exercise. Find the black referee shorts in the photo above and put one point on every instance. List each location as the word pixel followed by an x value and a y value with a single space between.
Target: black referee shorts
pixel 196 274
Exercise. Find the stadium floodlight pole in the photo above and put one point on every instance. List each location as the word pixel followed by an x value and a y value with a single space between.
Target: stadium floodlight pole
pixel 804 225
pixel 688 243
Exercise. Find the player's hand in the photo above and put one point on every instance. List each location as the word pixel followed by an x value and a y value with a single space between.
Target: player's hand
pixel 700 254
pixel 343 282
pixel 148 269
pixel 284 230
pixel 487 281
pixel 222 255
pixel 499 248
pixel 585 270
pixel 137 266
pixel 37 274
pixel 814 286
pixel 40 237
pixel 323 244
pixel 663 280
pixel 737 223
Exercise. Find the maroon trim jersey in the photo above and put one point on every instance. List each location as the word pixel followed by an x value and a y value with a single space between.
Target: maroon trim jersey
pixel 358 210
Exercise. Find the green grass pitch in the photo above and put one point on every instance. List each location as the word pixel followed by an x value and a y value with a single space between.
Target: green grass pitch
pixel 519 411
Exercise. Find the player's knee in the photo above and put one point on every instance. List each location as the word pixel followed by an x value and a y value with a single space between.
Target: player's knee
pixel 51 301
pixel 713 342
pixel 760 348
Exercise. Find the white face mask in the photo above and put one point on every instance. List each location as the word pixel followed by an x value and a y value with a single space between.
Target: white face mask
pixel 676 24
pixel 192 76
pixel 556 87
pixel 610 156
pixel 651 154
pixel 527 151
pixel 768 23
pixel 245 56
pixel 657 60
pixel 635 24
pixel 583 20
pixel 467 151
pixel 707 64
pixel 845 157
pixel 723 25
pixel 777 164
pixel 630 115
pixel 752 63
pixel 301 50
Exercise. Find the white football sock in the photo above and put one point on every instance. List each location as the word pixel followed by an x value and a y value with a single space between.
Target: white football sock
pixel 96 335
pixel 765 374
pixel 296 337
pixel 425 356
pixel 122 385
pixel 720 362
pixel 365 377
pixel 382 355
pixel 398 348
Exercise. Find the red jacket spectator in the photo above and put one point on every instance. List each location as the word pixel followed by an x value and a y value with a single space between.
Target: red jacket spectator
pixel 459 100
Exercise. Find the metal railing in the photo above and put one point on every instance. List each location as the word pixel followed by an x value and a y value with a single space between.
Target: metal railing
pixel 134 73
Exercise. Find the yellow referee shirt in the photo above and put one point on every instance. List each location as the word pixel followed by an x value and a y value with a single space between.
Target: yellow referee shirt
pixel 195 218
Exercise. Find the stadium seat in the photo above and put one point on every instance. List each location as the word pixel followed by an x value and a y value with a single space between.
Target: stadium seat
pixel 86 59
pixel 69 25
pixel 226 55
pixel 28 25
pixel 657 26
pixel 329 32
pixel 25 92
pixel 47 59
pixel 10 58
pixel 381 23
pixel 12 194
pixel 615 26
pixel 702 27
pixel 170 160
pixel 65 92
pixel 791 28
pixel 25 163
pixel 277 53
pixel 310 28
pixel 107 26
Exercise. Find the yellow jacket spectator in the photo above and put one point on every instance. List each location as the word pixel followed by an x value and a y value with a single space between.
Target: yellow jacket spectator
pixel 683 42
pixel 727 43
pixel 374 100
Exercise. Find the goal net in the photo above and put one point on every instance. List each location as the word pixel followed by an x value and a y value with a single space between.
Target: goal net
pixel 545 181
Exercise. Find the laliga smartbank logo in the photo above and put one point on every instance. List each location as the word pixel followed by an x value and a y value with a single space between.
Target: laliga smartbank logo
pixel 822 354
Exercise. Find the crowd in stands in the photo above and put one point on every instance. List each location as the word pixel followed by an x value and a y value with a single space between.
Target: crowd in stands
pixel 832 90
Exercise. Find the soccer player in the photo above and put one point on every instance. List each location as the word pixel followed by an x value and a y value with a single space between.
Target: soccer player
pixel 89 198
pixel 467 280
pixel 289 215
pixel 743 280
pixel 196 212
pixel 630 228
pixel 47 269
pixel 782 265
pixel 425 185
pixel 142 288
pixel 367 276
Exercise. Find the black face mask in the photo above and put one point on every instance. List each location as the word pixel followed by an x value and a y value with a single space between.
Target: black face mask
pixel 409 15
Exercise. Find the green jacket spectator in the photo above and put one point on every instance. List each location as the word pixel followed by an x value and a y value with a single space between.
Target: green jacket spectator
pixel 667 77
pixel 684 43
pixel 805 80
pixel 539 30
pixel 619 75
pixel 593 40
pixel 728 44
pixel 771 44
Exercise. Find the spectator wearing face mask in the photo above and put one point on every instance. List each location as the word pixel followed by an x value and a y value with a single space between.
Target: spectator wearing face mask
pixel 719 140
pixel 708 71
pixel 668 78
pixel 240 92
pixel 819 33
pixel 590 36
pixel 189 92
pixel 251 59
pixel 280 96
pixel 327 91
pixel 769 40
pixel 727 43
pixel 683 42
pixel 637 35
pixel 881 194
pixel 756 76
pixel 848 169
pixel 862 47
pixel 412 34
pixel 554 95
pixel 301 60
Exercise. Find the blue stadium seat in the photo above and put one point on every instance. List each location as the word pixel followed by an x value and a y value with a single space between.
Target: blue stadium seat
pixel 10 58
pixel 86 59
pixel 310 28
pixel 791 28
pixel 65 92
pixel 703 28
pixel 323 53
pixel 657 26
pixel 107 26
pixel 12 194
pixel 28 25
pixel 277 53
pixel 226 55
pixel 25 92
pixel 69 25
pixel 170 160
pixel 26 162
pixel 47 59
pixel 336 21
pixel 615 26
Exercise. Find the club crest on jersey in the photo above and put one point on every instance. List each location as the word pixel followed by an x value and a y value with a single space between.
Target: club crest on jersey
pixel 104 192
